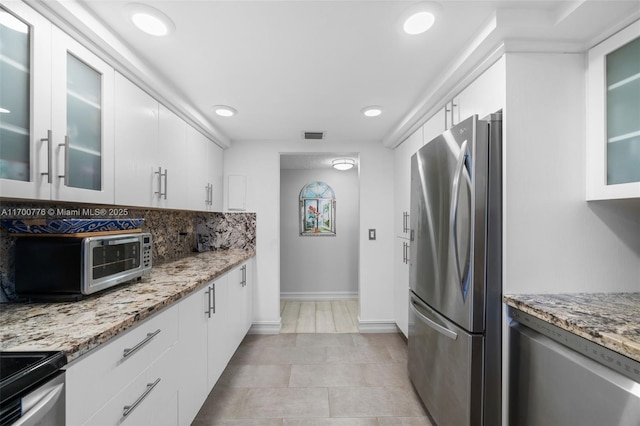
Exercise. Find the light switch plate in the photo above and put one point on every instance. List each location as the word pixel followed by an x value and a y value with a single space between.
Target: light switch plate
pixel 372 234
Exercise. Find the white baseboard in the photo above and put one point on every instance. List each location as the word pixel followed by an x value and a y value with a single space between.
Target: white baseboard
pixel 373 326
pixel 265 327
pixel 318 295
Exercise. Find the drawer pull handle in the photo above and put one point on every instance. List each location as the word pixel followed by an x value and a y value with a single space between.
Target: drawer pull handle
pixel 129 408
pixel 130 351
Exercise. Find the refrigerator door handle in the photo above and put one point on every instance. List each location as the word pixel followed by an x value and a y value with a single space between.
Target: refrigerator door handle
pixel 415 304
pixel 453 215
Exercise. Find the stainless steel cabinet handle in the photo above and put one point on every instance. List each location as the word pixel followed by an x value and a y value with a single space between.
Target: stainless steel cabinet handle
pixel 160 176
pixel 243 279
pixel 65 176
pixel 207 201
pixel 131 351
pixel 446 116
pixel 431 323
pixel 453 107
pixel 210 194
pixel 208 293
pixel 213 292
pixel 166 172
pixel 127 409
pixel 404 252
pixel 49 140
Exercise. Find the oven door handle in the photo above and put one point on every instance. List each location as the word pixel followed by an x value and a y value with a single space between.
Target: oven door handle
pixel 121 241
pixel 42 407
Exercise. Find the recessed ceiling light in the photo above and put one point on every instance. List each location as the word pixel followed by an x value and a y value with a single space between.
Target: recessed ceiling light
pixel 4 111
pixel 343 163
pixel 150 20
pixel 372 111
pixel 225 110
pixel 420 17
pixel 419 22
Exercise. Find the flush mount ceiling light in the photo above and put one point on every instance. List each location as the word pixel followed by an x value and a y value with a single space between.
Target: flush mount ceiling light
pixel 372 111
pixel 150 20
pixel 4 111
pixel 343 163
pixel 225 110
pixel 420 18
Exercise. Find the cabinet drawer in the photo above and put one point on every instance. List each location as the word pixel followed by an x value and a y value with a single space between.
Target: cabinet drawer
pixel 150 399
pixel 96 377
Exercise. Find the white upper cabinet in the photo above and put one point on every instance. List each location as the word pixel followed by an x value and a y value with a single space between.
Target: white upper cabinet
pixel 216 165
pixel 136 146
pixel 484 96
pixel 175 165
pixel 613 129
pixel 25 102
pixel 82 122
pixel 205 187
pixel 57 123
pixel 402 181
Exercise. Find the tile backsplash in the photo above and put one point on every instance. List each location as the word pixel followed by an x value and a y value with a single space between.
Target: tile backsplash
pixel 176 233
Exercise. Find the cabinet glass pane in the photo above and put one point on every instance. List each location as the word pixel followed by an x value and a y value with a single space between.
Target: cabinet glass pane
pixel 623 114
pixel 84 125
pixel 14 98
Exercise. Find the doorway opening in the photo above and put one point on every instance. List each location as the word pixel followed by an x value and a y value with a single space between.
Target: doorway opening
pixel 319 243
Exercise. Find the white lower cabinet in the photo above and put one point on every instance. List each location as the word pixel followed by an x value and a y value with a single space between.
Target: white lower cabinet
pixel 213 322
pixel 401 288
pixel 150 399
pixel 161 371
pixel 193 328
pixel 240 289
pixel 98 378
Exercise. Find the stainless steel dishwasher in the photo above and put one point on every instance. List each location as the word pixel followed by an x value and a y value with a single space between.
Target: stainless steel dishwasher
pixel 32 389
pixel 555 379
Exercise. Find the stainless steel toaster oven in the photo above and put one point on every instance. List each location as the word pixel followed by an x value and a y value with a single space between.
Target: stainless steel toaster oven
pixel 68 268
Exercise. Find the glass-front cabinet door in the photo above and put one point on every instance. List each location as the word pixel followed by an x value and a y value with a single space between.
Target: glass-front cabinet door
pixel 614 117
pixel 25 103
pixel 83 91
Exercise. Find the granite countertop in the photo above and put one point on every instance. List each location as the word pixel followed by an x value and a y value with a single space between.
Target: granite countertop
pixel 609 319
pixel 78 327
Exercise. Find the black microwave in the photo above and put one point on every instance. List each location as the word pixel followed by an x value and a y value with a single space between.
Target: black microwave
pixel 69 268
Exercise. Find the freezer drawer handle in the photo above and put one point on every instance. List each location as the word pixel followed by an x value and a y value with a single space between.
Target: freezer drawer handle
pixel 437 327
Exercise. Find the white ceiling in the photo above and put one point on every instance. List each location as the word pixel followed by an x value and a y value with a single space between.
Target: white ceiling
pixel 304 65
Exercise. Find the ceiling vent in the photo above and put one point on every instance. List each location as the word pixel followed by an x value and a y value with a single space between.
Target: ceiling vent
pixel 313 136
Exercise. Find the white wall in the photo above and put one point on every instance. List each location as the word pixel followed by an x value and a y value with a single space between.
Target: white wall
pixel 326 264
pixel 554 240
pixel 260 162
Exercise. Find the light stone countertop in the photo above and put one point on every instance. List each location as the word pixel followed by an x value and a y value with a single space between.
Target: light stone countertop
pixel 78 327
pixel 611 320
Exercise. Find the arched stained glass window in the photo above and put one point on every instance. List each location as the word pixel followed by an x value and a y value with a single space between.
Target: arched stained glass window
pixel 317 209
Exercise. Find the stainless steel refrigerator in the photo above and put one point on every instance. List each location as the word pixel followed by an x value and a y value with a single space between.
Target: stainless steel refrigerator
pixel 455 276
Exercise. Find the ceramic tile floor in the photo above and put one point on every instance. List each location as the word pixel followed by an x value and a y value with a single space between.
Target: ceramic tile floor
pixel 315 380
